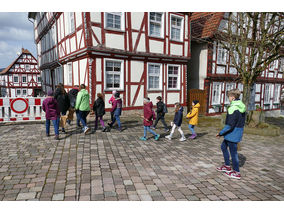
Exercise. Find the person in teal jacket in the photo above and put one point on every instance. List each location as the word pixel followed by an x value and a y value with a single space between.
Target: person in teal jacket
pixel 83 106
pixel 233 133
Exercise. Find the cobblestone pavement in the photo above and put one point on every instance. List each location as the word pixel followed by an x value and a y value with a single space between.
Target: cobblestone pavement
pixel 118 166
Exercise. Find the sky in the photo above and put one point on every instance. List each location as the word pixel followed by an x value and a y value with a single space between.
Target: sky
pixel 16 31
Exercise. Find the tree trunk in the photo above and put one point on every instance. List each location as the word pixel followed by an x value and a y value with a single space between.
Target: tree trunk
pixel 246 93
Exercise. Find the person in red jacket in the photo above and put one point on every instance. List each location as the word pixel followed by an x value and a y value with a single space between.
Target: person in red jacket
pixel 148 119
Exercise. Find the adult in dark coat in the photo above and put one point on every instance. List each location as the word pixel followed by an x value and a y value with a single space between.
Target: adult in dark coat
pixel 72 97
pixel 63 101
pixel 160 114
pixel 99 110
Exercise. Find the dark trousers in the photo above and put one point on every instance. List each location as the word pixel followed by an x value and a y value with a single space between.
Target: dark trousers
pixel 162 118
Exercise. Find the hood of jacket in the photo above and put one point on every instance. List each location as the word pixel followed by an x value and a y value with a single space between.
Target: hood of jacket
pixel 196 105
pixel 181 109
pixel 73 91
pixel 237 105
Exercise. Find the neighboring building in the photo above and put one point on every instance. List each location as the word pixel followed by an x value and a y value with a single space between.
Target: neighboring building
pixel 211 70
pixel 137 53
pixel 21 78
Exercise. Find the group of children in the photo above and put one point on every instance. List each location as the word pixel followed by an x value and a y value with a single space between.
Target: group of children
pixel 232 131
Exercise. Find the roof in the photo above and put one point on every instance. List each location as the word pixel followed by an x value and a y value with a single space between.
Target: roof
pixel 9 67
pixel 205 24
pixel 32 15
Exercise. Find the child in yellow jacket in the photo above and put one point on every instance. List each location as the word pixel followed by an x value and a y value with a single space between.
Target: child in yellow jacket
pixel 193 116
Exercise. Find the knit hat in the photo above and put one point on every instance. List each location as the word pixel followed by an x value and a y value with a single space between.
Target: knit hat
pixel 50 93
pixel 195 102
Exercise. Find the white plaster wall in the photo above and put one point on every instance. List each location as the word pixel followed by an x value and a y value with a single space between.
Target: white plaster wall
pixel 140 97
pixel 78 16
pixel 136 20
pixel 79 34
pixel 99 89
pixel 99 69
pixel 141 45
pixel 156 46
pixel 115 41
pixel 107 97
pixel 202 67
pixel 95 17
pixel 66 21
pixel 176 49
pixel 173 98
pixel 97 32
pixel 73 44
pixel 83 64
pixel 133 91
pixel 137 68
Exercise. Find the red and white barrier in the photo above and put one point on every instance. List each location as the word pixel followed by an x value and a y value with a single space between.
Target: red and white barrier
pixel 21 109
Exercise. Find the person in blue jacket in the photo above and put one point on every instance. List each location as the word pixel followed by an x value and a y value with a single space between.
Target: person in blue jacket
pixel 233 133
pixel 177 122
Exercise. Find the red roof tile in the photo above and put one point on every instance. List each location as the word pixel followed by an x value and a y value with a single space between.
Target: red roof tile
pixel 205 24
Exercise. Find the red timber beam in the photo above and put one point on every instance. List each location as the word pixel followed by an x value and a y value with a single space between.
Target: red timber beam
pixel 102 29
pixel 140 32
pixel 129 29
pixel 141 82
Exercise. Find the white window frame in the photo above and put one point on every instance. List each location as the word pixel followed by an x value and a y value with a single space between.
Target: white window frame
pixel 276 96
pixel 121 83
pixel 69 74
pixel 23 79
pixel 216 101
pixel 221 51
pixel 173 75
pixel 161 24
pixel 17 92
pixel 122 21
pixel 181 28
pixel 228 87
pixel 14 79
pixel 266 95
pixel 27 67
pixel 23 92
pixel 160 77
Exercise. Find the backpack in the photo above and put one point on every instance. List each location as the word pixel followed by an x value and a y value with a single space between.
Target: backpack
pixel 165 109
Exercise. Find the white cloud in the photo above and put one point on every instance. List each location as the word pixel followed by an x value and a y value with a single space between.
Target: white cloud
pixel 17 34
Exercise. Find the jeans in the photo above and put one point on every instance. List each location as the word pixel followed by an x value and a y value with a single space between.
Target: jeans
pixel 101 121
pixel 116 118
pixel 55 125
pixel 233 152
pixel 162 118
pixel 78 117
pixel 147 128
pixel 191 128
pixel 83 117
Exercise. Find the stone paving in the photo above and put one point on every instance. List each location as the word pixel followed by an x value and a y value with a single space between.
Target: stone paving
pixel 116 165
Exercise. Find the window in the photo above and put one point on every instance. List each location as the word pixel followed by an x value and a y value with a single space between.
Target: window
pixel 176 28
pixel 229 86
pixel 114 20
pixel 18 92
pixel 27 67
pixel 113 74
pixel 276 96
pixel 16 79
pixel 24 92
pixel 216 93
pixel 71 22
pixel 221 55
pixel 173 77
pixel 267 94
pixel 24 79
pixel 154 77
pixel 156 24
pixel 69 73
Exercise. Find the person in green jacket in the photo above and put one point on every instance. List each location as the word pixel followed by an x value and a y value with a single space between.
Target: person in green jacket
pixel 83 106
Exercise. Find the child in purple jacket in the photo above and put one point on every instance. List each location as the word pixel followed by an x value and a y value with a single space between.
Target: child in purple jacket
pixel 51 109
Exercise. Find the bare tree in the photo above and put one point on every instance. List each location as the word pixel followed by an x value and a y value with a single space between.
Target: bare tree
pixel 254 40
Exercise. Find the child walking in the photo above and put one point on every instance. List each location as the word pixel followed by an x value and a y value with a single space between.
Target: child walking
pixel 51 109
pixel 177 122
pixel 99 109
pixel 193 116
pixel 116 110
pixel 111 101
pixel 161 111
pixel 232 132
pixel 148 119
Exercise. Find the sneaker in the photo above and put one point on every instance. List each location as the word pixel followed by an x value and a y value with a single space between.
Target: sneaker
pixel 47 135
pixel 182 139
pixel 86 130
pixel 63 130
pixel 193 136
pixel 104 129
pixel 167 130
pixel 143 139
pixel 110 124
pixel 169 137
pixel 157 137
pixel 119 129
pixel 233 174
pixel 56 137
pixel 224 168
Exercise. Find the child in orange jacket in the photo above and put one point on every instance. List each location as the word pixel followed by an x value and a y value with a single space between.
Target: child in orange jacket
pixel 193 116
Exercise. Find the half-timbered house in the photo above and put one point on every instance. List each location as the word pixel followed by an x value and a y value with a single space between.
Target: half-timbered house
pixel 211 69
pixel 138 54
pixel 22 77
